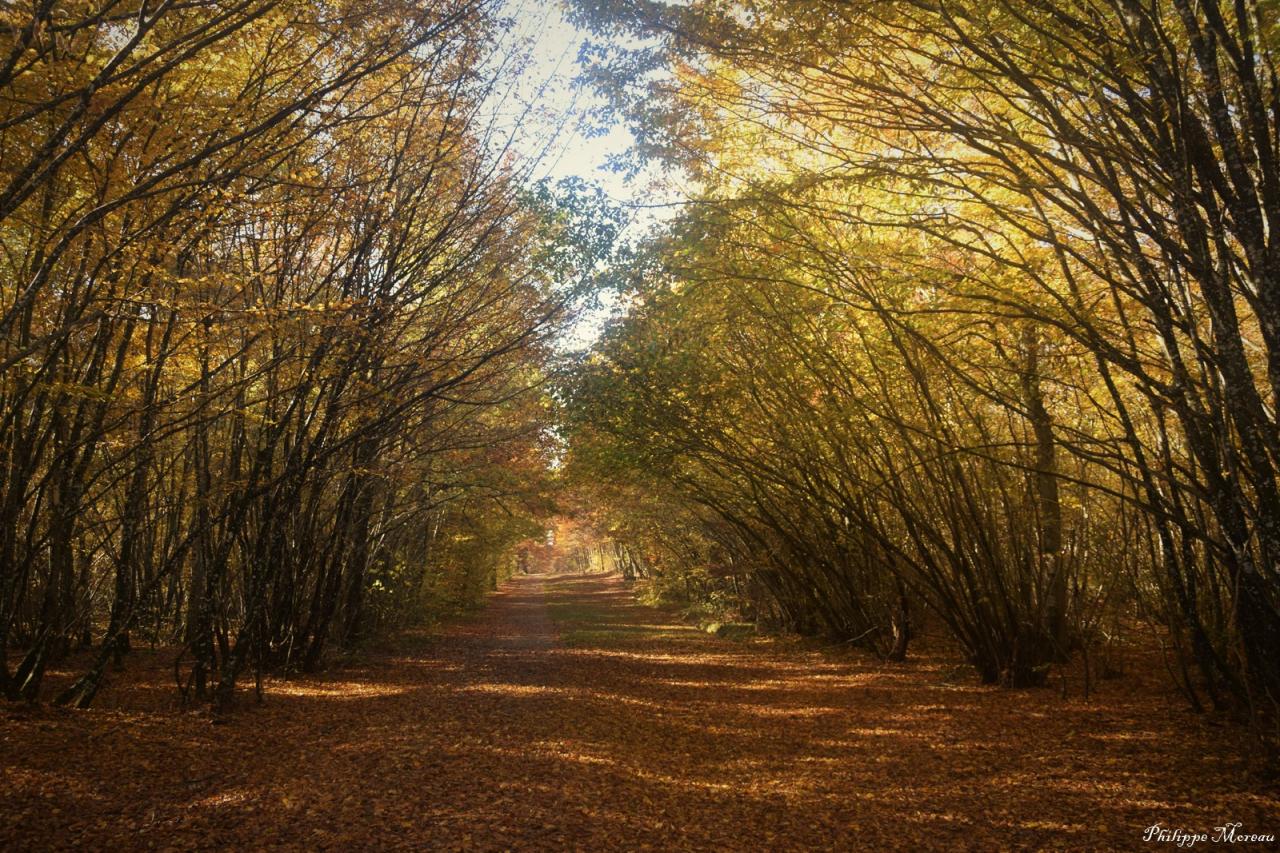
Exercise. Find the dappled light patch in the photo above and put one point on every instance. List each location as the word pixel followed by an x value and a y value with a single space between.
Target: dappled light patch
pixel 340 690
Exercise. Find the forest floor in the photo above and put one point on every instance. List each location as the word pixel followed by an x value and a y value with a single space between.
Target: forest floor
pixel 567 716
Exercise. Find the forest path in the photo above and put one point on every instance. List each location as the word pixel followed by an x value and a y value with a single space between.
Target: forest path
pixel 567 716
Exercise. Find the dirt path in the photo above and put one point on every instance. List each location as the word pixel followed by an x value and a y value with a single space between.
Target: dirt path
pixel 565 716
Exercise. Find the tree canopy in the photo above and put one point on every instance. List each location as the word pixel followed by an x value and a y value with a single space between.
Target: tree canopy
pixel 970 310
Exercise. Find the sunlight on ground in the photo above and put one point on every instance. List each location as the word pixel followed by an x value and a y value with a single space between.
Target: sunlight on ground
pixel 345 691
pixel 222 799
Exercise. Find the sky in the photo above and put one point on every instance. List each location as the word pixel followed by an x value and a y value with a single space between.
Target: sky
pixel 548 84
pixel 556 113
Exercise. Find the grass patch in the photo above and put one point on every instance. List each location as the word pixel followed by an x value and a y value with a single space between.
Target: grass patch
pixel 572 612
pixel 606 621
pixel 735 631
